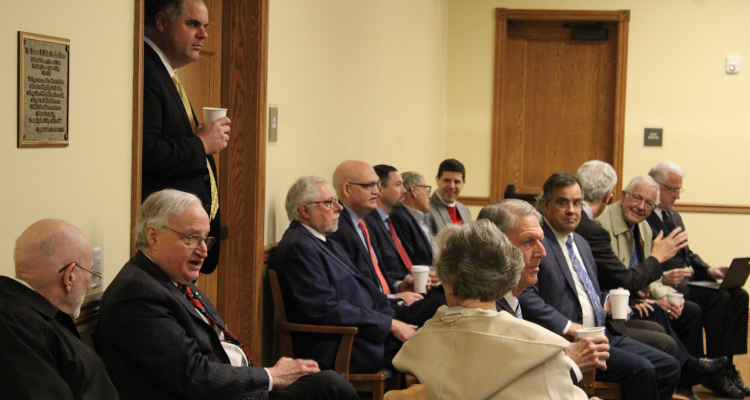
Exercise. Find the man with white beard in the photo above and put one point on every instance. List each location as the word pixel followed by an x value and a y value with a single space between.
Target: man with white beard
pixel 43 356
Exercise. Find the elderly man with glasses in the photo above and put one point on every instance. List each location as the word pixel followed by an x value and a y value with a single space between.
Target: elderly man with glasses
pixel 725 314
pixel 414 219
pixel 160 338
pixel 42 354
pixel 632 242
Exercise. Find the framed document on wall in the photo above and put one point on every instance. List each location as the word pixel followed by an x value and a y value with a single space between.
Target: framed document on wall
pixel 43 72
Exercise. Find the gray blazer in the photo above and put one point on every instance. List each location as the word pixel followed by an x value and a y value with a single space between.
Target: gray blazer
pixel 439 215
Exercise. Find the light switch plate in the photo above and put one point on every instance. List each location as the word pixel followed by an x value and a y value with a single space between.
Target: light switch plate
pixel 273 124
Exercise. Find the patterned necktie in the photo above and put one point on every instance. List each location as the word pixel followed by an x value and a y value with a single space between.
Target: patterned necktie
pixel 634 255
pixel 399 245
pixel 195 301
pixel 587 284
pixel 383 284
pixel 189 112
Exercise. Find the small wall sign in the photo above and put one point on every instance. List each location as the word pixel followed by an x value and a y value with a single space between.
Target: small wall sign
pixel 653 137
pixel 43 72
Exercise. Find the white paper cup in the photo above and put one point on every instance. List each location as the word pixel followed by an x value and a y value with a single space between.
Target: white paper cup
pixel 676 298
pixel 211 114
pixel 618 301
pixel 592 332
pixel 420 274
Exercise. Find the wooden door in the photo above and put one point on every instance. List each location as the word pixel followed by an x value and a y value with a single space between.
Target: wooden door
pixel 202 82
pixel 559 102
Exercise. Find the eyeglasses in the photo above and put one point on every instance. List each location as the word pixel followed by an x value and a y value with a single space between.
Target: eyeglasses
pixel 427 188
pixel 673 190
pixel 564 205
pixel 648 204
pixel 194 240
pixel 94 282
pixel 329 204
pixel 368 186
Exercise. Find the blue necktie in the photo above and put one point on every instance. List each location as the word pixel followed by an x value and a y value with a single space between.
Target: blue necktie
pixel 586 281
pixel 634 256
pixel 519 314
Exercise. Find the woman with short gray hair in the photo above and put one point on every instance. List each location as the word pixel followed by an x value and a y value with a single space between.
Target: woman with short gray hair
pixel 469 350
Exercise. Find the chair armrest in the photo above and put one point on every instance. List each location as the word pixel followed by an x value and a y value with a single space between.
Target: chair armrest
pixel 587 383
pixel 340 330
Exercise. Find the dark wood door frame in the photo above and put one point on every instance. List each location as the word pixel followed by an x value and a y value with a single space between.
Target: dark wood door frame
pixel 242 181
pixel 499 134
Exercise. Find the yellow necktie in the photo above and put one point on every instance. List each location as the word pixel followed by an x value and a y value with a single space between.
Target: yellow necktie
pixel 189 111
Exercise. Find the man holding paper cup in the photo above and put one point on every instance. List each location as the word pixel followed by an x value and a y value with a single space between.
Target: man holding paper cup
pixel 177 150
pixel 567 298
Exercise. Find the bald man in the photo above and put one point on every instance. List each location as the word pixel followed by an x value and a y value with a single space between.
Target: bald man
pixel 42 354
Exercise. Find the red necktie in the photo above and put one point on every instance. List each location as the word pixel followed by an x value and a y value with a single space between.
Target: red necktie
pixel 454 216
pixel 228 336
pixel 383 283
pixel 399 246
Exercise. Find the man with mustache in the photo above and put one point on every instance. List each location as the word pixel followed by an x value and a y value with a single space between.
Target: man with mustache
pixel 177 151
pixel 321 286
pixel 160 338
pixel 42 354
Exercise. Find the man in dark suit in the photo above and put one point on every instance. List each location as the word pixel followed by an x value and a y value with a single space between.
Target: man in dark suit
pixel 725 316
pixel 567 298
pixel 413 219
pixel 445 208
pixel 357 186
pixel 521 223
pixel 160 338
pixel 321 286
pixel 177 151
pixel 42 354
pixel 385 234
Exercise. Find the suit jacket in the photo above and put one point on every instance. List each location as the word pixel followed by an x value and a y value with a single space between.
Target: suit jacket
pixel 42 355
pixel 417 245
pixel 613 273
pixel 382 240
pixel 685 257
pixel 156 345
pixel 322 287
pixel 527 361
pixel 439 215
pixel 173 157
pixel 553 300
pixel 348 238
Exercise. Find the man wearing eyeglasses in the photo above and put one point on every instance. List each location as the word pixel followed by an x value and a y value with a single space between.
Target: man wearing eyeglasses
pixel 42 355
pixel 725 316
pixel 632 242
pixel 322 286
pixel 161 338
pixel 414 219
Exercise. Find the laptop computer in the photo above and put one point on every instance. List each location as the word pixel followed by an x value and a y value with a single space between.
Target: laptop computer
pixel 736 276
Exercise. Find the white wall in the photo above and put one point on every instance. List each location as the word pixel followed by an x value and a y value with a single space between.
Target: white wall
pixel 87 183
pixel 353 80
pixel 675 80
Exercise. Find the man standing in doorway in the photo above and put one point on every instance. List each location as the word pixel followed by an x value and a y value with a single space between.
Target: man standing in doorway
pixel 177 151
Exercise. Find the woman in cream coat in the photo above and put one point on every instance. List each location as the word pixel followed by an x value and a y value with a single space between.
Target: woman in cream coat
pixel 468 350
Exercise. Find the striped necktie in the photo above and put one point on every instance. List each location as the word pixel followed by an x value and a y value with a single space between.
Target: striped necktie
pixel 587 284
pixel 189 111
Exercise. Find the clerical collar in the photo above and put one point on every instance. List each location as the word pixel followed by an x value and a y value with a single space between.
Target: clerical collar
pixel 451 204
pixel 161 55
pixel 314 232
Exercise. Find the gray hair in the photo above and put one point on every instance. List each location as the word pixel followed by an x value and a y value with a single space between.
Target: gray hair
pixel 171 8
pixel 478 261
pixel 596 179
pixel 643 180
pixel 660 171
pixel 304 190
pixel 410 179
pixel 159 209
pixel 505 213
